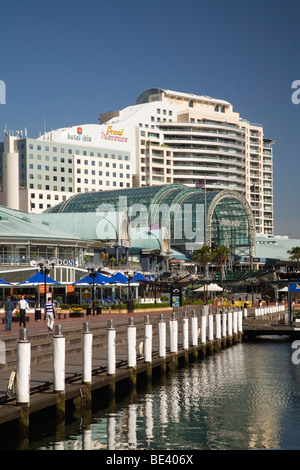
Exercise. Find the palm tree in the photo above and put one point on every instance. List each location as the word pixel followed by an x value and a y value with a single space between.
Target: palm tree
pixel 295 255
pixel 221 255
pixel 203 256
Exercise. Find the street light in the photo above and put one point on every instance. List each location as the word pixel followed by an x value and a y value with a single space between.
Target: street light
pixel 129 278
pixel 45 270
pixel 193 279
pixel 93 271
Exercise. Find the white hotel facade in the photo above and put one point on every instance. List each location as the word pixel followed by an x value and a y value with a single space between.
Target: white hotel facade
pixel 165 137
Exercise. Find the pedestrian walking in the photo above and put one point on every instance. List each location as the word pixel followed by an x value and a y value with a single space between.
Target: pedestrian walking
pixel 22 306
pixel 50 312
pixel 9 308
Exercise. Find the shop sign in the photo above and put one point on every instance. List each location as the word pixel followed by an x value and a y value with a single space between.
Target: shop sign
pixel 113 134
pixel 59 262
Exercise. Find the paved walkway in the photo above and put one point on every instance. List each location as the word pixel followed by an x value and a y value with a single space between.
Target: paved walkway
pixel 43 372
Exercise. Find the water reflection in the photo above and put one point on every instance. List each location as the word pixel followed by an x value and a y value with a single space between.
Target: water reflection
pixel 245 397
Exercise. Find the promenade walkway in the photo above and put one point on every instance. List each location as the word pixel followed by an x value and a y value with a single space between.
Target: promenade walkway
pixel 41 374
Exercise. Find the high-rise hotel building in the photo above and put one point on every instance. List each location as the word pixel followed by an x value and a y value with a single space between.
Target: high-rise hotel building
pixel 190 139
pixel 165 137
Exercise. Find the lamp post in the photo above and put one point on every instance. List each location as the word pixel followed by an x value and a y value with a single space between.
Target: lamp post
pixel 45 270
pixel 129 278
pixel 93 271
pixel 193 279
pixel 252 281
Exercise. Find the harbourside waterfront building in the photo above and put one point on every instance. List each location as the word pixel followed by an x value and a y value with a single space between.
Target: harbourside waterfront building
pixel 37 173
pixel 166 137
pixel 199 140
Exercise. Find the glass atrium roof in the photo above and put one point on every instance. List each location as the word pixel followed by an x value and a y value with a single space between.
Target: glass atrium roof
pixel 178 208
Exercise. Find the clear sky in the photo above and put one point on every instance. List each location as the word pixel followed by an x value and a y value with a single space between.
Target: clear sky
pixel 65 62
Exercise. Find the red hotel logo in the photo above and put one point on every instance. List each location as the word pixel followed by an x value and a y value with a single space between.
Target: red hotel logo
pixel 79 130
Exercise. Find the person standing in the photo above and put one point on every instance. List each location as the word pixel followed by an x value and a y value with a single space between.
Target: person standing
pixel 23 306
pixel 9 308
pixel 50 312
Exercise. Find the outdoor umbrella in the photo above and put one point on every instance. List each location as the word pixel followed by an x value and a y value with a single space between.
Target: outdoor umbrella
pixel 37 280
pixel 4 283
pixel 139 278
pixel 118 278
pixel 209 288
pixel 98 279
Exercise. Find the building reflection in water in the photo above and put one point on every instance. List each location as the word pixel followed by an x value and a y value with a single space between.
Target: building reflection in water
pixel 231 400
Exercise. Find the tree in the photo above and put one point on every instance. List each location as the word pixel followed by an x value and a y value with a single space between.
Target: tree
pixel 203 257
pixel 295 255
pixel 221 255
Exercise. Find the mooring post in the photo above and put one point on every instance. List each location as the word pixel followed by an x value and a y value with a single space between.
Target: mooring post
pixel 87 352
pixel 229 327
pixel 173 326
pixel 111 361
pixel 185 336
pixel 131 351
pixel 162 346
pixel 211 332
pixel 203 333
pixel 59 346
pixel 23 386
pixel 23 368
pixel 218 330
pixel 235 326
pixel 240 324
pixel 194 334
pixel 111 348
pixel 148 347
pixel 224 329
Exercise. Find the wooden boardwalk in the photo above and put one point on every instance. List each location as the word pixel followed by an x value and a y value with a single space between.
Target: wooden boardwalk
pixel 41 379
pixel 41 386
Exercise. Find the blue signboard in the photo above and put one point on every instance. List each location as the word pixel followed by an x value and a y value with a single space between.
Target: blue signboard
pixel 294 287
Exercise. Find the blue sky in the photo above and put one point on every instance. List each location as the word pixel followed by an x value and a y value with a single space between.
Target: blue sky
pixel 65 62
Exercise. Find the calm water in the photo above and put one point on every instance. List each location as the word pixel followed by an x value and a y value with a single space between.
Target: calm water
pixel 246 397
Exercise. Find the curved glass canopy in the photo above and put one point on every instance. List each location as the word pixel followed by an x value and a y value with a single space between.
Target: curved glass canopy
pixel 188 216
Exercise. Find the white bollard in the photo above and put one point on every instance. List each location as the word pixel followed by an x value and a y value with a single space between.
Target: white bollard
pixel 229 323
pixel 87 354
pixel 59 346
pixel 224 324
pixel 23 368
pixel 210 327
pixel 162 337
pixel 194 330
pixel 240 321
pixel 203 329
pixel 218 326
pixel 131 343
pixel 148 340
pixel 245 313
pixel 173 325
pixel 111 348
pixel 235 315
pixel 185 332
